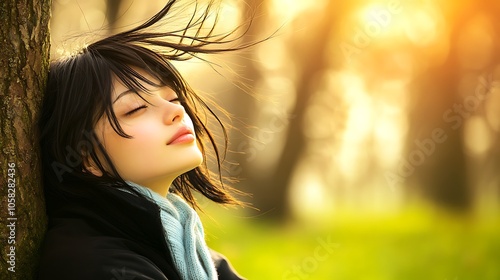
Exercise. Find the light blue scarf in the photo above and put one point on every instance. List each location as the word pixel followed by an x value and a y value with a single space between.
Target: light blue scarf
pixel 184 235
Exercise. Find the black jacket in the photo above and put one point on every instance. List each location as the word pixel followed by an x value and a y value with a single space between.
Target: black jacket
pixel 89 239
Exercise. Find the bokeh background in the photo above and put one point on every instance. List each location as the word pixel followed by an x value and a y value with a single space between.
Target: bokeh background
pixel 367 132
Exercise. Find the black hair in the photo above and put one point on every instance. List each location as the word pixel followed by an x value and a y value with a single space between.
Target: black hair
pixel 78 94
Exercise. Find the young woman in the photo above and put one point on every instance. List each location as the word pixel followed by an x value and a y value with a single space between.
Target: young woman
pixel 123 146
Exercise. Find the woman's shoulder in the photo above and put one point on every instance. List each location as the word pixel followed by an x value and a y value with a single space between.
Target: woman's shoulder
pixel 73 251
pixel 88 241
pixel 224 268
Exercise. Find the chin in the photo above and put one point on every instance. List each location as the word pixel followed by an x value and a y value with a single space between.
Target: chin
pixel 194 165
pixel 190 163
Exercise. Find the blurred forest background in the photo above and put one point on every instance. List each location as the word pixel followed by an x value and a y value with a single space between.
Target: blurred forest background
pixel 367 132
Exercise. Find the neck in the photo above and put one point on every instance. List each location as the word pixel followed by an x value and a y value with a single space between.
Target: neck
pixel 160 187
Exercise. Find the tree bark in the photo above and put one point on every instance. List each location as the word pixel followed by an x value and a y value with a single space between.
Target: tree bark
pixel 24 60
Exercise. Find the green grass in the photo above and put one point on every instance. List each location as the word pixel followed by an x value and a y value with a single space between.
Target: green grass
pixel 415 244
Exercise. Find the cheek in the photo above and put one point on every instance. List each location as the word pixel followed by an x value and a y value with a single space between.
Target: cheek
pixel 125 151
pixel 145 138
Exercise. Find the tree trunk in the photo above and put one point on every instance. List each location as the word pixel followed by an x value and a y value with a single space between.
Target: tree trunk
pixel 443 176
pixel 271 190
pixel 112 8
pixel 24 54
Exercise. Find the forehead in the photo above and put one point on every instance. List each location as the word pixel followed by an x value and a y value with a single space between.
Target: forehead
pixel 120 86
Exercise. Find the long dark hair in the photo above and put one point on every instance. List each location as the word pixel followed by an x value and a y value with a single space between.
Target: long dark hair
pixel 78 94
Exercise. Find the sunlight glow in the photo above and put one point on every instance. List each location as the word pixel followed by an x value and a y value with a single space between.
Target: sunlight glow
pixel 273 57
pixel 477 137
pixel 381 20
pixel 391 122
pixel 289 9
pixel 230 15
pixel 388 134
pixel 476 43
pixel 358 126
pixel 308 194
pixel 421 27
pixel 492 107
pixel 92 20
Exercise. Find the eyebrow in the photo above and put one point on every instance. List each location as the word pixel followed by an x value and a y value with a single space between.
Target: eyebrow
pixel 123 94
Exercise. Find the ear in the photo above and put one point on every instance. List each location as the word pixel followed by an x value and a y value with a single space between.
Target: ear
pixel 90 166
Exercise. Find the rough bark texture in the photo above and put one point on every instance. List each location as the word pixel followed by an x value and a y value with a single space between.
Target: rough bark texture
pixel 24 54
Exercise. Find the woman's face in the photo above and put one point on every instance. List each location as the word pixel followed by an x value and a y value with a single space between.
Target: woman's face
pixel 163 144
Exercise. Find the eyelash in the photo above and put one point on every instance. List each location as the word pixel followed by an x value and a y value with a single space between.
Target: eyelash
pixel 177 99
pixel 135 110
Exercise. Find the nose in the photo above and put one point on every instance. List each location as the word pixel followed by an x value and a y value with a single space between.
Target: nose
pixel 173 113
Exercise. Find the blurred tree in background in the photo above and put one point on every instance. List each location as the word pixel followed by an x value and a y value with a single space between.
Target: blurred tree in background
pixel 270 188
pixel 454 92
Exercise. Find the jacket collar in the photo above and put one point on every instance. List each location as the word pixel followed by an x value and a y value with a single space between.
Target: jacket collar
pixel 116 213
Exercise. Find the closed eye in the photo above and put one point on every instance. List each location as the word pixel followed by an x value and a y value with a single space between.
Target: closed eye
pixel 135 110
pixel 176 100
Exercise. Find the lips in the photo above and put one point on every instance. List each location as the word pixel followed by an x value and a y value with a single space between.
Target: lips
pixel 183 135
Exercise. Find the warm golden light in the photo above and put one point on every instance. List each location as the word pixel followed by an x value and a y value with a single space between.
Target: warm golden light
pixel 289 9
pixel 350 108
